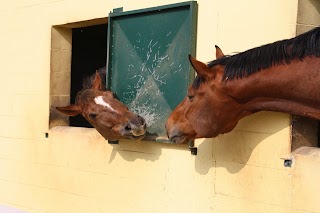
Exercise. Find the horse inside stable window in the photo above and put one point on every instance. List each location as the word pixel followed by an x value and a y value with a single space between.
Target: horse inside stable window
pixel 89 53
pixel 91 103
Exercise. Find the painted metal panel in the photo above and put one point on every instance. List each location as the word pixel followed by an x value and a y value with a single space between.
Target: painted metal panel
pixel 147 64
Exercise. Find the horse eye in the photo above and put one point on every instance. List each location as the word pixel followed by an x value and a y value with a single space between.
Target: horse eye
pixel 92 116
pixel 190 97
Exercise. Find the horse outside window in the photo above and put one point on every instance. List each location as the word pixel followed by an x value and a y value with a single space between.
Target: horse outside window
pixel 282 76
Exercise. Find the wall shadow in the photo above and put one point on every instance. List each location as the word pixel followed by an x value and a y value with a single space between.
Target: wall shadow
pixel 316 4
pixel 234 150
pixel 147 150
pixel 132 150
pixel 204 160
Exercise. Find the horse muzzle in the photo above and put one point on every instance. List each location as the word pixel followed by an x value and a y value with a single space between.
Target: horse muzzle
pixel 177 137
pixel 135 128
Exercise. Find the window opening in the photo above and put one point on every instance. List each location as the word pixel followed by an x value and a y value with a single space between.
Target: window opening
pixel 305 132
pixel 89 53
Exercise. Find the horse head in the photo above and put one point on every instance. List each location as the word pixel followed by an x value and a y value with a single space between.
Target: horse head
pixel 207 110
pixel 106 113
pixel 282 76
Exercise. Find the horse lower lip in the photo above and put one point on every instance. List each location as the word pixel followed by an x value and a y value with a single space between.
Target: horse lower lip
pixel 136 137
pixel 138 132
pixel 176 138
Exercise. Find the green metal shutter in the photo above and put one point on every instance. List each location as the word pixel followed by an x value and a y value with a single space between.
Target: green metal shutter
pixel 147 64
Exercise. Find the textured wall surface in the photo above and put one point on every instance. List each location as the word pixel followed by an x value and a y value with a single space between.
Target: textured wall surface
pixel 76 170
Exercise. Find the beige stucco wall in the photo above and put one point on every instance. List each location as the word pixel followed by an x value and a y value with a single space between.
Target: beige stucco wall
pixel 76 170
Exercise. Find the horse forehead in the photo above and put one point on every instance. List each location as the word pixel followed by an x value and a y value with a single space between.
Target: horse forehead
pixel 101 101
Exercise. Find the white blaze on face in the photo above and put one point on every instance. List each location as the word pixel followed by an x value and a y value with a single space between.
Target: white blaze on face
pixel 99 100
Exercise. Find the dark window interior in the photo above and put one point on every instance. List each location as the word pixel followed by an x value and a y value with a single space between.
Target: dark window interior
pixel 89 53
pixel 318 134
pixel 305 132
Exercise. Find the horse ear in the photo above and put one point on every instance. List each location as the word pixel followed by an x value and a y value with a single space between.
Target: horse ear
pixel 219 53
pixel 71 110
pixel 97 83
pixel 201 68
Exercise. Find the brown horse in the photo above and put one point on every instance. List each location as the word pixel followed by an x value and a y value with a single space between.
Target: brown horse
pixel 104 111
pixel 283 76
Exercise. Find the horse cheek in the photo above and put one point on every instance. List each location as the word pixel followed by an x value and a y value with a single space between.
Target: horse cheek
pixel 202 123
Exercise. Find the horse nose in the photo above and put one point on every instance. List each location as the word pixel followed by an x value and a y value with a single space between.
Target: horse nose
pixel 173 134
pixel 136 126
pixel 173 137
pixel 169 130
pixel 136 122
pixel 170 135
pixel 142 120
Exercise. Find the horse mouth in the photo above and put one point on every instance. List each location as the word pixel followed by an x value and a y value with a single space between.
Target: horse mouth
pixel 179 139
pixel 136 133
pixel 136 137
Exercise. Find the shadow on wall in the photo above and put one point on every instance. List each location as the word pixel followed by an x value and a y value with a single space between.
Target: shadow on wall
pixel 261 139
pixel 149 151
pixel 131 150
pixel 316 4
pixel 204 160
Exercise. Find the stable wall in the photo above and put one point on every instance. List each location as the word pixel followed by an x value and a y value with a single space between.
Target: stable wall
pixel 76 170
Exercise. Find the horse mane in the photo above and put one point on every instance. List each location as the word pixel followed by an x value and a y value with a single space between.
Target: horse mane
pixel 87 82
pixel 281 52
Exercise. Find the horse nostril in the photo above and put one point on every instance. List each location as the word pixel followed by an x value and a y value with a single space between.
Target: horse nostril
pixel 128 127
pixel 143 122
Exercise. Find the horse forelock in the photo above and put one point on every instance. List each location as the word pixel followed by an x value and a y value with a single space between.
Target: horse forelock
pixel 281 52
pixel 87 83
pixel 197 81
pixel 84 96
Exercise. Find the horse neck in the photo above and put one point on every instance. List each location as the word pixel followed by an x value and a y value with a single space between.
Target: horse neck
pixel 291 88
